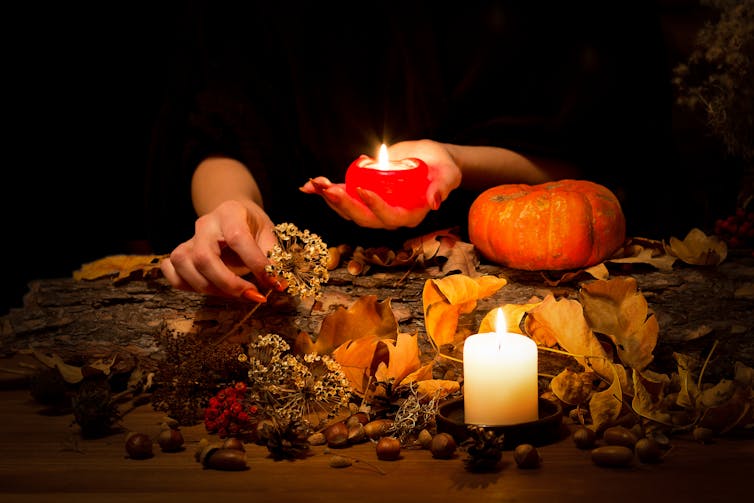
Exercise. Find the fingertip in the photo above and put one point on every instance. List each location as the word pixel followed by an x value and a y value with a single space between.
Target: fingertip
pixel 253 295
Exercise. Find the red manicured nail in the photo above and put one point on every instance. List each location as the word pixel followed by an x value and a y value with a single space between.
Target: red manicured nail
pixel 253 295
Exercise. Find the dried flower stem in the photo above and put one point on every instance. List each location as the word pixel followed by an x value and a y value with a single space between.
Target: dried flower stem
pixel 241 322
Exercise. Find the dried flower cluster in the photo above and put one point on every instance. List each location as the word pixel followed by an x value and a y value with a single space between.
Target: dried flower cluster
pixel 309 389
pixel 717 77
pixel 413 415
pixel 300 259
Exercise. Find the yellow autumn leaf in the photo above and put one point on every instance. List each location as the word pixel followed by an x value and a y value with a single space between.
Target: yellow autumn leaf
pixel 512 313
pixel 649 396
pixel 663 261
pixel 403 358
pixel 698 249
pixel 563 321
pixel 445 299
pixel 355 358
pixel 618 310
pixel 437 388
pixel 573 388
pixel 605 406
pixel 120 267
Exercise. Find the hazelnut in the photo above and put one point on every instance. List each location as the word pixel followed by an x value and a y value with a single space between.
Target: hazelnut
pixel 584 437
pixel 526 456
pixel 425 439
pixel 443 446
pixel 388 448
pixel 138 446
pixel 170 439
pixel 337 435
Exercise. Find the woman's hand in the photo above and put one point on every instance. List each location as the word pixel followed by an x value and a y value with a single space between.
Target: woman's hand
pixel 229 242
pixel 371 211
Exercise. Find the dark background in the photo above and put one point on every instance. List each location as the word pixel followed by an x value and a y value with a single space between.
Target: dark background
pixel 84 86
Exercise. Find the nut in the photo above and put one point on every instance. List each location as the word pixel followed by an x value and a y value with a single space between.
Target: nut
pixel 619 435
pixel 139 446
pixel 584 437
pixel 443 446
pixel 612 455
pixel 378 428
pixel 337 435
pixel 233 443
pixel 388 448
pixel 526 456
pixel 333 258
pixel 170 439
pixel 225 459
pixel 648 450
pixel 425 439
pixel 356 434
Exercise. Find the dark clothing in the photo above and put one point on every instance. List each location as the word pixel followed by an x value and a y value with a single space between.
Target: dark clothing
pixel 296 91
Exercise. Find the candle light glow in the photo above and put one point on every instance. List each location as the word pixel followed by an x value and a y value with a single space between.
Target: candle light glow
pixel 401 182
pixel 500 378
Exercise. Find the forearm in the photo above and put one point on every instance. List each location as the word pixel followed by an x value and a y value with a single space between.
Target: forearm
pixel 218 179
pixel 483 167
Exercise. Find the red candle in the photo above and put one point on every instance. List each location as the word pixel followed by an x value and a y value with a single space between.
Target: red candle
pixel 399 183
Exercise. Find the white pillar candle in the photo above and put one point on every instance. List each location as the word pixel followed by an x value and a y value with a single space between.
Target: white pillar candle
pixel 500 378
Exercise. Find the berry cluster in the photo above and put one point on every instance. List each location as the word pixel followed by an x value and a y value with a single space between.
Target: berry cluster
pixel 228 413
pixel 737 230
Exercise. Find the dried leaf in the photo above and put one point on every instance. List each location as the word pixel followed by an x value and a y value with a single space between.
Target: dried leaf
pixel 605 406
pixel 563 321
pixel 120 266
pixel 649 396
pixel 446 298
pixel 356 357
pixel 70 373
pixel 663 261
pixel 698 249
pixel 403 358
pixel 439 388
pixel 366 317
pixel 615 308
pixel 513 314
pixel 574 388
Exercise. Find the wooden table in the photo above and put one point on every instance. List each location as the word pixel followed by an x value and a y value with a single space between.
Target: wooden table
pixel 41 461
pixel 44 460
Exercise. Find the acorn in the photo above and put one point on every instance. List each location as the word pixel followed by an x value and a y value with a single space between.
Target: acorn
pixel 234 443
pixel 648 450
pixel 619 435
pixel 388 448
pixel 139 445
pixel 612 455
pixel 443 446
pixel 378 428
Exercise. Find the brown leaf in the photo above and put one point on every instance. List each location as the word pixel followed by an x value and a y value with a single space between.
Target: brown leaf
pixel 366 317
pixel 615 308
pixel 698 249
pixel 563 321
pixel 403 358
pixel 573 388
pixel 605 406
pixel 356 357
pixel 120 267
pixel 662 261
pixel 649 397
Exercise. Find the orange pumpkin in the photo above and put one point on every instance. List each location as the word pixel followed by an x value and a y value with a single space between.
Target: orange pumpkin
pixel 568 224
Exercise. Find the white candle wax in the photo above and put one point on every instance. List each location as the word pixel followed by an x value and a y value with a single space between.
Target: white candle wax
pixel 500 379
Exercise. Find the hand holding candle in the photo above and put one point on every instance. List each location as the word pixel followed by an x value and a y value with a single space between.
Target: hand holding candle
pixel 401 183
pixel 500 378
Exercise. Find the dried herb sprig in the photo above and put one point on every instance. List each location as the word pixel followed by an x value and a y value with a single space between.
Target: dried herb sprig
pixel 414 414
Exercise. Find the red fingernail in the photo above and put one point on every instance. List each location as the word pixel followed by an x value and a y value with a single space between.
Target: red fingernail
pixel 253 295
pixel 437 201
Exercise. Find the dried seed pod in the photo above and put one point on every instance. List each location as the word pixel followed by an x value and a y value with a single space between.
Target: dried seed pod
pixel 139 446
pixel 225 459
pixel 584 437
pixel 388 448
pixel 527 456
pixel 443 446
pixel 612 455
pixel 340 462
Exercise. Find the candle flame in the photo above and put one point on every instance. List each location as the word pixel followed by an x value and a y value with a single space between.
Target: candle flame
pixel 501 326
pixel 382 159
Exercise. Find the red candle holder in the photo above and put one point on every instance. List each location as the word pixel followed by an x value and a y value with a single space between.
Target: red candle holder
pixel 399 183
